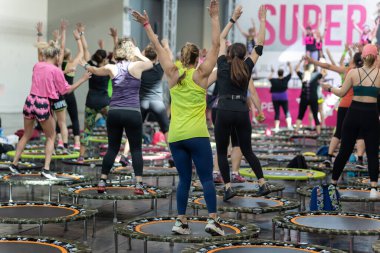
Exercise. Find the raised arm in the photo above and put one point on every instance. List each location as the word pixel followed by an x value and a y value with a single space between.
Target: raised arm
pixel 255 100
pixel 63 29
pixel 171 71
pixel 213 76
pixel 346 49
pixel 298 66
pixel 258 50
pixel 301 25
pixel 113 34
pixel 338 69
pixel 356 27
pixel 80 53
pixel 39 28
pixel 330 57
pixel 165 44
pixel 107 70
pixel 245 34
pixel 203 72
pixel 81 29
pixel 290 67
pixel 271 73
pixel 235 16
pixel 342 91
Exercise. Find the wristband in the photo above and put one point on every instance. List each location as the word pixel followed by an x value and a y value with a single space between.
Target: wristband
pixel 39 34
pixel 81 33
pixel 85 66
pixel 146 24
pixel 232 21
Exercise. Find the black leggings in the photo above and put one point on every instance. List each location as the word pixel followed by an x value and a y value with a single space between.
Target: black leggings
pixel 120 120
pixel 234 138
pixel 72 109
pixel 341 115
pixel 364 118
pixel 158 108
pixel 280 103
pixel 238 122
pixel 314 109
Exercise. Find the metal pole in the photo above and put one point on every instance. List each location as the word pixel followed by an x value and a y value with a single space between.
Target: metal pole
pixel 10 192
pixel 114 211
pixel 85 231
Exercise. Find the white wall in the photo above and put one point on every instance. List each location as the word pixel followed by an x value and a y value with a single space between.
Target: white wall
pixel 18 35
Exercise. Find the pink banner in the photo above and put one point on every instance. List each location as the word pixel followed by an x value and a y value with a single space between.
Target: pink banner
pixel 293 95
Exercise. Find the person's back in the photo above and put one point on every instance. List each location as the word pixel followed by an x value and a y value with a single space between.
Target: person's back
pixel 366 84
pixel 151 87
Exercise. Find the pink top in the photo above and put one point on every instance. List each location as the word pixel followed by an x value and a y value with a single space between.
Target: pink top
pixel 48 81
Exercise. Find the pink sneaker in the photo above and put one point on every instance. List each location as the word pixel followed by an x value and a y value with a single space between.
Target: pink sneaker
pixel 76 147
pixel 60 145
pixel 236 178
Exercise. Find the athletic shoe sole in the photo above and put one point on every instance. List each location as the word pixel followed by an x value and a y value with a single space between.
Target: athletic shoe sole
pixel 213 232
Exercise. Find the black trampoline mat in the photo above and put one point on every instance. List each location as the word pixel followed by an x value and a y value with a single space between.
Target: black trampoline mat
pixel 35 212
pixel 149 171
pixel 37 177
pixel 164 228
pixel 22 247
pixel 338 222
pixel 260 249
pixel 249 202
pixel 245 186
pixel 354 193
pixel 115 191
pixel 287 173
pixel 367 181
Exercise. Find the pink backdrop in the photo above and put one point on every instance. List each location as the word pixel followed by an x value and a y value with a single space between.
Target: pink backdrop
pixel 293 95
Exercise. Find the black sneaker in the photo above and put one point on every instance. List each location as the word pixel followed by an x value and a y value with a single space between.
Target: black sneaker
pixel 124 161
pixel 181 228
pixel 171 163
pixel 14 169
pixel 228 194
pixel 328 162
pixel 48 174
pixel 360 165
pixel 264 189
pixel 213 227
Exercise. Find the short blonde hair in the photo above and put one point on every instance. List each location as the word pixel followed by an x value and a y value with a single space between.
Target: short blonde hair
pixel 125 50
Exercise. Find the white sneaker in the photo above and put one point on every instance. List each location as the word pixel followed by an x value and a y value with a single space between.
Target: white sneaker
pixel 48 174
pixel 374 194
pixel 214 228
pixel 181 228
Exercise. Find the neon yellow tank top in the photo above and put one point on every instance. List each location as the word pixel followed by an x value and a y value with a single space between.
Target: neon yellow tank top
pixel 188 109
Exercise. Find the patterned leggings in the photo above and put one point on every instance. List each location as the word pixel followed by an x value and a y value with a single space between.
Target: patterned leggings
pixel 90 120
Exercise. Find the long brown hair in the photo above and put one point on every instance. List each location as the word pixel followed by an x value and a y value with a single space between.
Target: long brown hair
pixel 239 70
pixel 189 56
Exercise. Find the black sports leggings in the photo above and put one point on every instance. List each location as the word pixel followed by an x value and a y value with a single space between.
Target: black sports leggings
pixel 157 107
pixel 280 103
pixel 314 109
pixel 238 122
pixel 364 118
pixel 234 138
pixel 120 120
pixel 72 109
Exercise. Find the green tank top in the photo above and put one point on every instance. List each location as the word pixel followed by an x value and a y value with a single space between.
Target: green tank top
pixel 188 109
pixel 367 91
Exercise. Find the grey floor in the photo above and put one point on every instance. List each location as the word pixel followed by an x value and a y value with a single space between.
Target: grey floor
pixel 104 240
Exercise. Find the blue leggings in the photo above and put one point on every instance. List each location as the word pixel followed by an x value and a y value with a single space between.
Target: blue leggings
pixel 199 151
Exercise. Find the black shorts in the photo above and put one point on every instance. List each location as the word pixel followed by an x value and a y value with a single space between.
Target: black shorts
pixel 59 105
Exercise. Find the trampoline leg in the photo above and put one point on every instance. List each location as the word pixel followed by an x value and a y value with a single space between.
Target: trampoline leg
pixel 85 231
pixel 173 183
pixel 59 197
pixel 351 244
pixel 171 245
pixel 289 238
pixel 116 238
pixel 50 189
pixel 157 181
pixel 273 231
pixel 66 227
pixel 10 192
pixel 155 206
pixel 114 211
pixel 171 204
pixel 19 226
pixel 129 243
pixel 152 204
pixel 298 236
pixel 238 216
pixel 94 226
pixel 145 245
pixel 40 227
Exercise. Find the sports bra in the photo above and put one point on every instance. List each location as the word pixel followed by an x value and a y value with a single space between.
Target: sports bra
pixel 368 91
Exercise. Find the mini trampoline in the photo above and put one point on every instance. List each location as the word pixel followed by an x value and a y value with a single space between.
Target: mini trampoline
pixel 101 139
pixel 22 244
pixel 156 172
pixel 350 167
pixel 347 194
pixel 115 192
pixel 159 229
pixel 248 187
pixel 362 181
pixel 330 223
pixel 45 213
pixel 287 158
pixel 246 204
pixel 91 161
pixel 35 178
pixel 276 150
pixel 274 173
pixel 376 247
pixel 4 165
pixel 258 246
pixel 40 155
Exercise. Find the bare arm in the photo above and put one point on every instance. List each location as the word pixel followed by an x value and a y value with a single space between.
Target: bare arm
pixel 338 69
pixel 346 49
pixel 342 91
pixel 78 83
pixel 245 34
pixel 330 57
pixel 301 25
pixel 261 38
pixel 271 73
pixel 171 71
pixel 39 28
pixel 212 77
pixel 113 34
pixel 298 66
pixel 235 16
pixel 255 97
pixel 81 29
pixel 79 54
pixel 165 44
pixel 290 68
pixel 107 70
pixel 202 73
pixel 356 27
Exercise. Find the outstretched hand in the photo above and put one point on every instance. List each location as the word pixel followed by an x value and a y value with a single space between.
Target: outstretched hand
pixel 76 34
pixel 56 35
pixel 165 43
pixel 113 32
pixel 237 13
pixel 213 9
pixel 263 13
pixel 39 27
pixel 81 27
pixel 101 44
pixel 64 24
pixel 142 19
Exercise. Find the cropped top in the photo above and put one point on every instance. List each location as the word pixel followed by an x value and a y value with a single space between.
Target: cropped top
pixel 368 91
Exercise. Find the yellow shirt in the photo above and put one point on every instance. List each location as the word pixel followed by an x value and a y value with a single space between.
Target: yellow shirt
pixel 188 109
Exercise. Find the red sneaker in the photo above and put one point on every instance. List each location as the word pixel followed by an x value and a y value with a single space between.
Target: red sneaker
pixel 217 178
pixel 236 178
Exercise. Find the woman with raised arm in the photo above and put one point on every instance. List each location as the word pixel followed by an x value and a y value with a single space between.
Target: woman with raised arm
pixel 188 134
pixel 97 99
pixel 124 109
pixel 69 65
pixel 48 82
pixel 362 116
pixel 344 104
pixel 233 76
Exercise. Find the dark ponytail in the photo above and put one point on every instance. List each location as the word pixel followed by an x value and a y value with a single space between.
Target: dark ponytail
pixel 99 56
pixel 239 70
